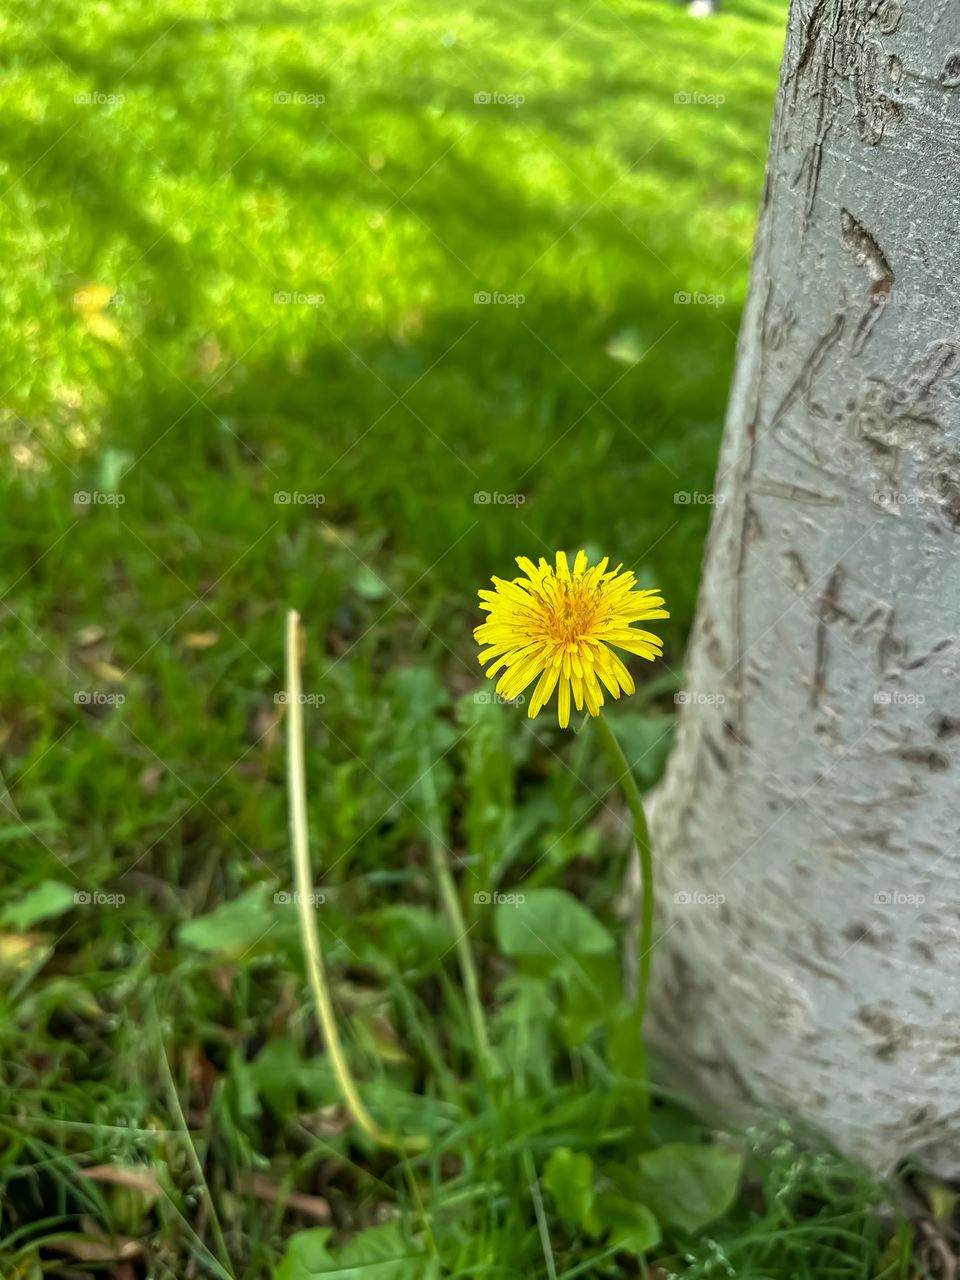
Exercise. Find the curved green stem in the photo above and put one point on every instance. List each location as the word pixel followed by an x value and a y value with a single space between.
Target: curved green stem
pixel 641 834
pixel 316 972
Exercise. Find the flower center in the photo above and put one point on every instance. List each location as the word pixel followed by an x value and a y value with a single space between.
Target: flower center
pixel 572 614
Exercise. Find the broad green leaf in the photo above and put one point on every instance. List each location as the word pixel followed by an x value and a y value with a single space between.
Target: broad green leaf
pixel 287 1081
pixel 307 1255
pixel 629 346
pixel 550 922
pixel 413 935
pixel 632 1227
pixel 18 831
pixel 419 693
pixel 242 1086
pixel 234 926
pixel 590 985
pixel 646 741
pixel 110 468
pixel 381 1253
pixel 520 1030
pixel 47 899
pixel 569 1179
pixel 942 1199
pixel 688 1185
pixel 368 584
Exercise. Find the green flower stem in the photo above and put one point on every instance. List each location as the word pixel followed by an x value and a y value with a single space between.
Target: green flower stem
pixel 641 834
pixel 309 933
pixel 224 1265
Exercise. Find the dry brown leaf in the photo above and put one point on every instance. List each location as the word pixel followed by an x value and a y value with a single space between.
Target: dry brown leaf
pixel 139 1179
pixel 149 779
pixel 328 1121
pixel 92 1249
pixel 203 1076
pixel 105 671
pixel 87 636
pixel 201 639
pixel 387 1042
pixel 208 355
pixel 223 976
pixel 264 1188
pixel 19 950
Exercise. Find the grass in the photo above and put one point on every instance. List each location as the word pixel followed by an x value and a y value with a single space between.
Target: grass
pixel 169 177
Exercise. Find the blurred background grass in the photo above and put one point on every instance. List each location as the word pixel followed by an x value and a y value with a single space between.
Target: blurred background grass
pixel 196 398
pixel 247 369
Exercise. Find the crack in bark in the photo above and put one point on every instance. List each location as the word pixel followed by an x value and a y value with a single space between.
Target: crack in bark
pixel 867 253
pixel 803 382
pixel 828 611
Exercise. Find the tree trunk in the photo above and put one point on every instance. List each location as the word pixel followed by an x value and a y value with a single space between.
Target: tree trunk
pixel 808 831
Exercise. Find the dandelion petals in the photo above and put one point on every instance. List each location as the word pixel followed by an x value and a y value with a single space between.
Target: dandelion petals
pixel 559 627
pixel 563 703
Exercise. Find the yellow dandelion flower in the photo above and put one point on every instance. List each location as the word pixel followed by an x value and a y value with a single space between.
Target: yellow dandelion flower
pixel 560 625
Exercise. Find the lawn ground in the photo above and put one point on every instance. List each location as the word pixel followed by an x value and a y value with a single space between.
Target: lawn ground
pixel 342 308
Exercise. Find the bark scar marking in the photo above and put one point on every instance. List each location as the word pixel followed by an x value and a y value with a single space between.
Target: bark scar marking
pixel 867 253
pixel 828 611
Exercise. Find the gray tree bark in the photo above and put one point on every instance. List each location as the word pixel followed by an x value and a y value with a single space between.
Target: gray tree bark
pixel 808 831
